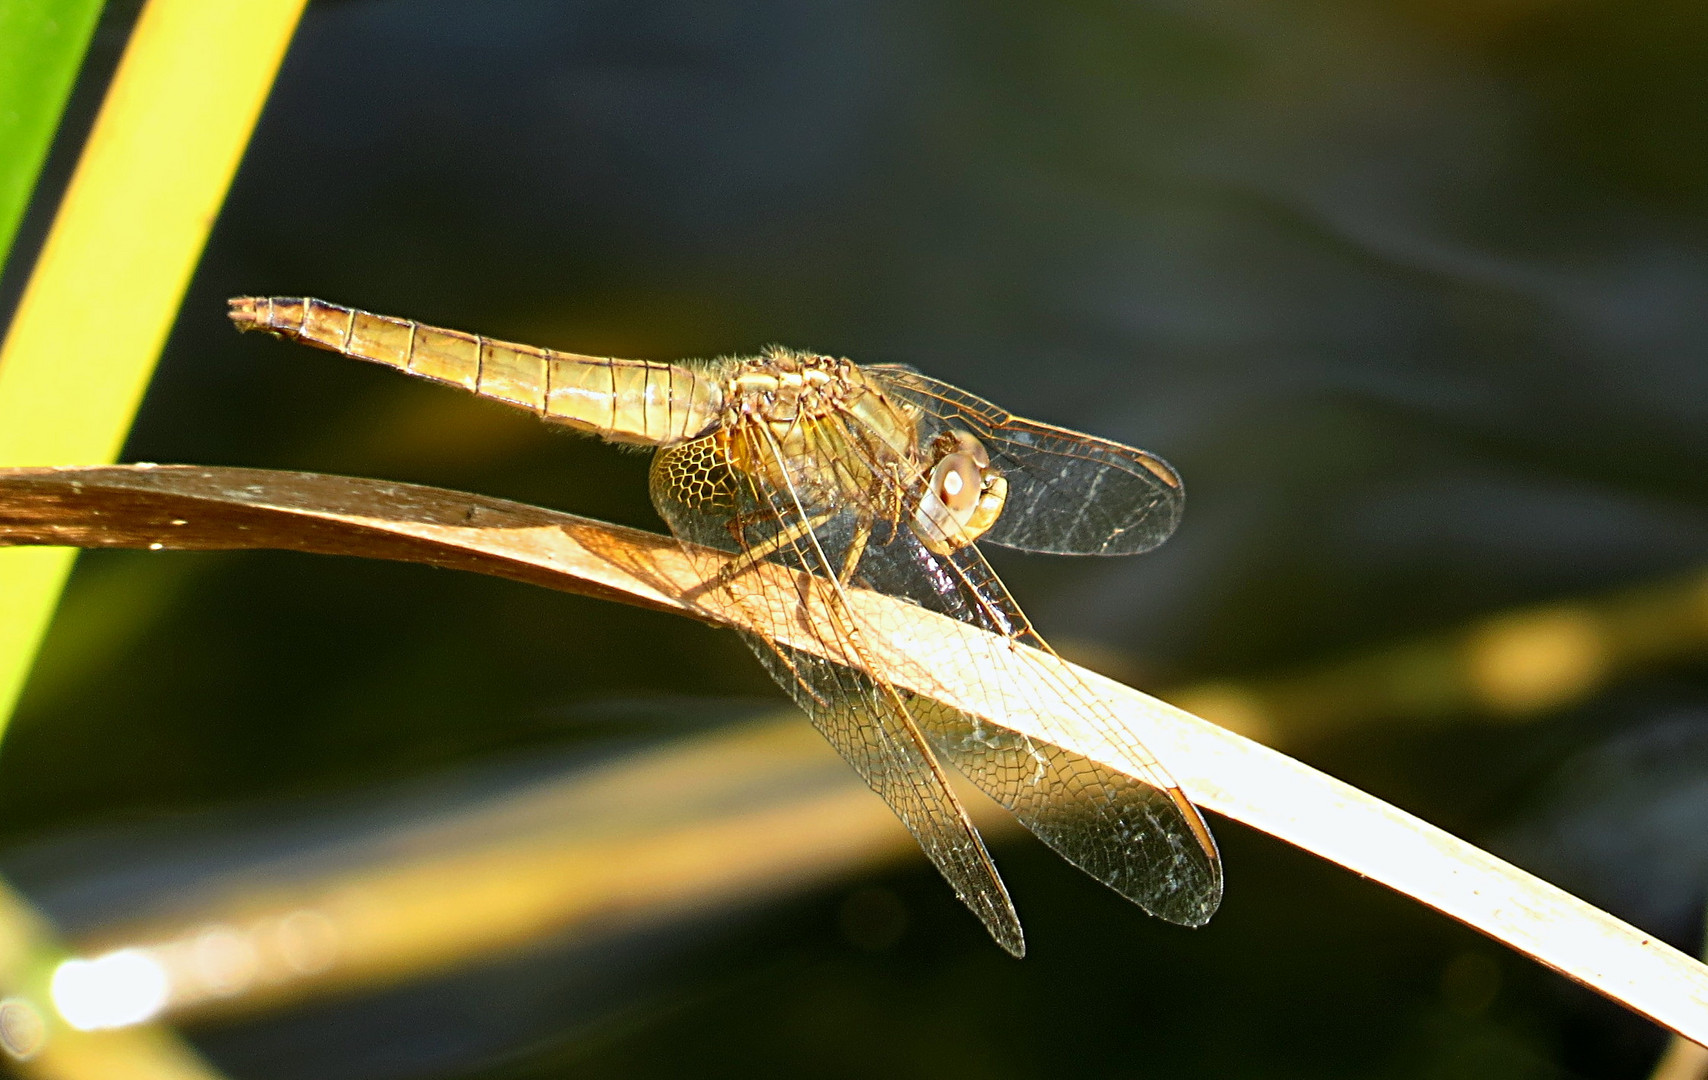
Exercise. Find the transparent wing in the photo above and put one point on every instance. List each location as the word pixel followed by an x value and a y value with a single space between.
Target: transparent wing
pixel 1068 493
pixel 773 510
pixel 1140 836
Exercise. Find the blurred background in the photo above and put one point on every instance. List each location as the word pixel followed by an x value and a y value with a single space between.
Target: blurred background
pixel 1414 294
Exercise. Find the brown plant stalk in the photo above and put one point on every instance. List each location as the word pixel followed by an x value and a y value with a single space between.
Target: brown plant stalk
pixel 194 508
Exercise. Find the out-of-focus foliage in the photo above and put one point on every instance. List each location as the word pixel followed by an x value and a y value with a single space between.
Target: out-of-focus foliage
pixel 1413 295
pixel 41 45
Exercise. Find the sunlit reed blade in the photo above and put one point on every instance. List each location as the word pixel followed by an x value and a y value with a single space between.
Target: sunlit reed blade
pixel 199 508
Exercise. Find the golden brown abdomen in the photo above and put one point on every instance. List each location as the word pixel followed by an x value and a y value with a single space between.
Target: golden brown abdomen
pixel 633 401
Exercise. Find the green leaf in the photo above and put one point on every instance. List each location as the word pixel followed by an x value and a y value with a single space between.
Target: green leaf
pixel 42 43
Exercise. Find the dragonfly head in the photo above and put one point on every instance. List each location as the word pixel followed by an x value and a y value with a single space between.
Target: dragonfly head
pixel 963 495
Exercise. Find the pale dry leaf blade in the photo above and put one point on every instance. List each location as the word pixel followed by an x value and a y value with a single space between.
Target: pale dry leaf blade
pixel 134 507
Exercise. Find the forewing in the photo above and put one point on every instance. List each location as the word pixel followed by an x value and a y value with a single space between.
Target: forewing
pixel 866 719
pixel 1068 493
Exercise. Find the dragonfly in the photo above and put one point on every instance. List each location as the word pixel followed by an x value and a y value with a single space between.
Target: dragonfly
pixel 872 477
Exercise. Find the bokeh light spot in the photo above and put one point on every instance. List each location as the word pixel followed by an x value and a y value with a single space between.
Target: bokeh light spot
pixel 115 990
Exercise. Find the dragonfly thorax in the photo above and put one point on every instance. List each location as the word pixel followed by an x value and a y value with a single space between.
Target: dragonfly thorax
pixel 820 425
pixel 783 386
pixel 825 430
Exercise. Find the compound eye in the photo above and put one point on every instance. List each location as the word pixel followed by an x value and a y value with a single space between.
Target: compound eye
pixel 963 497
pixel 969 446
pixel 957 482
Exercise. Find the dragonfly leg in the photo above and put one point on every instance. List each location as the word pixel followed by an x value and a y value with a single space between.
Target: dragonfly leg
pixel 738 522
pixel 856 549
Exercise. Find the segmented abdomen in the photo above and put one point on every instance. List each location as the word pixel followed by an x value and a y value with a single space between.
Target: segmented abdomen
pixel 634 401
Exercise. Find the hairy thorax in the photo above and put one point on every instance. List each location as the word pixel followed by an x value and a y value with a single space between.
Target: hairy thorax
pixel 787 406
